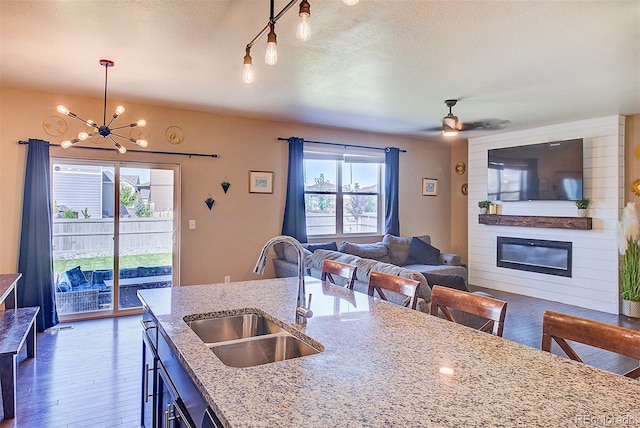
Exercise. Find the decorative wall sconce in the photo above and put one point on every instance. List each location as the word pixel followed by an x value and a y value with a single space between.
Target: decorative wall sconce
pixel 225 185
pixel 209 201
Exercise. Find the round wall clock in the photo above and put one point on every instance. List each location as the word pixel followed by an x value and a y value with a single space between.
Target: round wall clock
pixel 461 168
pixel 635 186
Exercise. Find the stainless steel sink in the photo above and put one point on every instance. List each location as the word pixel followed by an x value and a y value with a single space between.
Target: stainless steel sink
pixel 262 350
pixel 250 339
pixel 214 330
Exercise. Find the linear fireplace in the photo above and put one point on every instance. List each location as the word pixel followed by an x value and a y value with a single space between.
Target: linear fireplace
pixel 535 255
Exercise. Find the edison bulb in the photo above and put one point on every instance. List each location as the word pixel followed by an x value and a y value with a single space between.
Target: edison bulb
pixel 350 2
pixel 142 143
pixel 119 110
pixel 66 144
pixel 247 73
pixel 121 149
pixel 62 109
pixel 141 122
pixel 82 136
pixel 304 28
pixel 271 56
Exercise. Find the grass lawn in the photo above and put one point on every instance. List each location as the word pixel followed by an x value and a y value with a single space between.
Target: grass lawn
pixel 94 263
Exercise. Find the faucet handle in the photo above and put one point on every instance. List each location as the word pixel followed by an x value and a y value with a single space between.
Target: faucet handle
pixel 303 312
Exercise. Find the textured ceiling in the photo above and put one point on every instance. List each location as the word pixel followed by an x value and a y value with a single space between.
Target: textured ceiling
pixel 383 66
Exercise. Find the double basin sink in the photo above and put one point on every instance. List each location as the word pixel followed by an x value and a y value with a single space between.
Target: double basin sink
pixel 250 339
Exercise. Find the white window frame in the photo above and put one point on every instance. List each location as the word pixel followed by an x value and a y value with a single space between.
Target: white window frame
pixel 347 154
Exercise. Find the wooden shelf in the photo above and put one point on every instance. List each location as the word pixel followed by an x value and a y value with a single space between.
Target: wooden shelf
pixel 577 223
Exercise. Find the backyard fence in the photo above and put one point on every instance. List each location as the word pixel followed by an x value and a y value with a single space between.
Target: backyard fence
pixel 74 238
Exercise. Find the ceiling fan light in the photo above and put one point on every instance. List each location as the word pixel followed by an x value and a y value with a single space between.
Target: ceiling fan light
pixel 449 132
pixel 450 121
pixel 450 126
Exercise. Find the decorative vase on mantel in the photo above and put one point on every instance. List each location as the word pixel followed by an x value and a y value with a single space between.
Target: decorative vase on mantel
pixel 631 308
pixel 582 212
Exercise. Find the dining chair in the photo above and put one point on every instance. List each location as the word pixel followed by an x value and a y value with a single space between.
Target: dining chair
pixel 562 327
pixel 381 282
pixel 343 270
pixel 446 299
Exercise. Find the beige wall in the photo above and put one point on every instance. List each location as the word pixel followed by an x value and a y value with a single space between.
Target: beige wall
pixel 459 202
pixel 229 237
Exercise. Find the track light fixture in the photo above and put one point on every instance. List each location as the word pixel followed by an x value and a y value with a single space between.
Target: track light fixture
pixel 303 32
pixel 105 131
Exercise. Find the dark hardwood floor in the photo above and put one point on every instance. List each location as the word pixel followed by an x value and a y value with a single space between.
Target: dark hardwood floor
pixel 87 373
pixel 523 324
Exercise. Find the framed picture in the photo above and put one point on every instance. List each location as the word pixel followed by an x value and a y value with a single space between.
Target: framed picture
pixel 260 182
pixel 429 187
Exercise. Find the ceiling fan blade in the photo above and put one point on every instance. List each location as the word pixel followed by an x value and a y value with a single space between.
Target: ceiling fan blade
pixel 487 124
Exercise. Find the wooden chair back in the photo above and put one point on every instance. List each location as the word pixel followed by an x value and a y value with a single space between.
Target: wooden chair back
pixel 494 310
pixel 380 282
pixel 562 327
pixel 344 270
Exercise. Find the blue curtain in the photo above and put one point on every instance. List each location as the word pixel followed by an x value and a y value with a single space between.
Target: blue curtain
pixel 35 288
pixel 392 167
pixel 295 222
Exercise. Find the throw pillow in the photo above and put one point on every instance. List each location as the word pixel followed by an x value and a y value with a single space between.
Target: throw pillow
pixel 397 248
pixel 325 246
pixel 377 251
pixel 76 277
pixel 451 281
pixel 422 253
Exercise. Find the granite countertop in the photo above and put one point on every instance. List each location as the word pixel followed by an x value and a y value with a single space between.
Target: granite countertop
pixel 384 366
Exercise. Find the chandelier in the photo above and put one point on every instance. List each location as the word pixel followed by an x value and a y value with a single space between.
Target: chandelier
pixel 105 131
pixel 303 33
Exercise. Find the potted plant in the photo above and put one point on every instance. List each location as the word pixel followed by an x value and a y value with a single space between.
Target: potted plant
pixel 628 246
pixel 484 206
pixel 583 205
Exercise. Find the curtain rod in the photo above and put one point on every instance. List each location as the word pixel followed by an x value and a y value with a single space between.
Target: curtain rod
pixel 341 145
pixel 213 155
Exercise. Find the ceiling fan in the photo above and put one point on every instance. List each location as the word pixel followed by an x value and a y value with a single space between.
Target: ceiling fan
pixel 451 125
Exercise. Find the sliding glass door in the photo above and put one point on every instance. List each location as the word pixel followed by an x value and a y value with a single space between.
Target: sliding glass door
pixel 112 217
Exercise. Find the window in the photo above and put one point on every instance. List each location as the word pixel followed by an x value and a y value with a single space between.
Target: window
pixel 343 191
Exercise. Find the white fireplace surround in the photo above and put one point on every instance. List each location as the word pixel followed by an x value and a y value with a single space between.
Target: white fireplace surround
pixel 594 281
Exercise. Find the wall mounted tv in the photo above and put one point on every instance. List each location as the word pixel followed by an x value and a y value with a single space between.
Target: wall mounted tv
pixel 549 171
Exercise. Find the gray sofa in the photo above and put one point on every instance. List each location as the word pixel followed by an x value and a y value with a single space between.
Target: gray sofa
pixel 392 255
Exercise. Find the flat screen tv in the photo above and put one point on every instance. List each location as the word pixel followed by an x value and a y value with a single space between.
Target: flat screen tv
pixel 549 171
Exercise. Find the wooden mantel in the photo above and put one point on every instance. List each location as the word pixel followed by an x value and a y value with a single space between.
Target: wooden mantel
pixel 577 223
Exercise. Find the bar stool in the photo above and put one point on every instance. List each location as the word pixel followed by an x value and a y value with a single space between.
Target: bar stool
pixel 444 299
pixel 343 270
pixel 562 327
pixel 408 287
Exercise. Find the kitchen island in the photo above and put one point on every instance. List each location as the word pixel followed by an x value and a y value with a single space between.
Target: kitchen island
pixel 382 366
